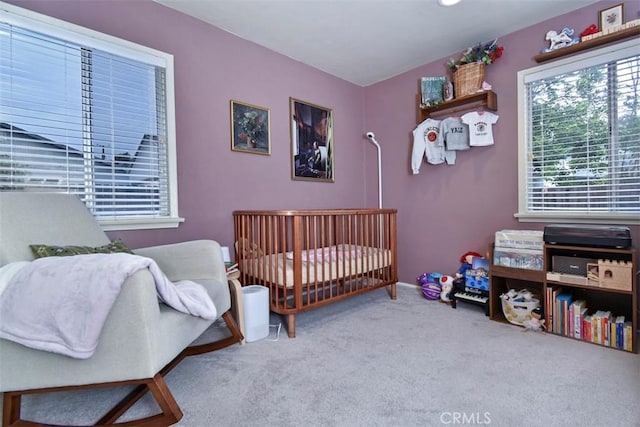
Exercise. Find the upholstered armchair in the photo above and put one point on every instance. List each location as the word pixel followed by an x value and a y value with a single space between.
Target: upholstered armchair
pixel 141 340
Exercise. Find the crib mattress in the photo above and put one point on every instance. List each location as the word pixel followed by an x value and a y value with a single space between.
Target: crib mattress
pixel 319 265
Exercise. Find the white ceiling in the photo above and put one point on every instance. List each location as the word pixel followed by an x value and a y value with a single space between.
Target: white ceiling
pixel 367 41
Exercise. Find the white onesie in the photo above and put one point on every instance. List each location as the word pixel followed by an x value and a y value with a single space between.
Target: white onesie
pixel 480 127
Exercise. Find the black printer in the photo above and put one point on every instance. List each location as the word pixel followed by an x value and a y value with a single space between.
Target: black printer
pixel 608 236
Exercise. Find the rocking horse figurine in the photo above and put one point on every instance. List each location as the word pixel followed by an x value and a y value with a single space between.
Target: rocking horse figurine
pixel 560 40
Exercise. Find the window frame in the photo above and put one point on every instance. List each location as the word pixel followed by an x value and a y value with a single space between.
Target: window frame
pixel 62 29
pixel 560 66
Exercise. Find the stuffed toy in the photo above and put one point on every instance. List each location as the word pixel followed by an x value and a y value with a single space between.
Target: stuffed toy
pixel 536 323
pixel 466 261
pixel 447 285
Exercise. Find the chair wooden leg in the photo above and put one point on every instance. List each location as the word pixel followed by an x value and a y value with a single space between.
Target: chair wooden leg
pixel 137 393
pixel 11 408
pixel 170 414
pixel 236 337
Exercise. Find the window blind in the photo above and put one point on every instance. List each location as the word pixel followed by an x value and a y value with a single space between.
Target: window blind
pixel 582 136
pixel 83 120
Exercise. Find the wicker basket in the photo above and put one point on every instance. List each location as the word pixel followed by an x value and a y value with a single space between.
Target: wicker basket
pixel 468 79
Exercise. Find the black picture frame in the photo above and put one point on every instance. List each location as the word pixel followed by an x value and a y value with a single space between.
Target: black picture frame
pixel 312 153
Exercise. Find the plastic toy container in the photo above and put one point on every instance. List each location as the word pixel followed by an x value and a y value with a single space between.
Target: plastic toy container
pixel 517 312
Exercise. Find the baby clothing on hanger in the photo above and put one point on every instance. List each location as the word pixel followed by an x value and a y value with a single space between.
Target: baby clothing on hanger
pixel 425 143
pixel 454 134
pixel 480 127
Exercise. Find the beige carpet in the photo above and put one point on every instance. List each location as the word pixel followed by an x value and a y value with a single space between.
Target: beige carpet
pixel 371 361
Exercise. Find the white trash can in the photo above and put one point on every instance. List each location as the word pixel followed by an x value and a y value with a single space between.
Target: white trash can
pixel 256 312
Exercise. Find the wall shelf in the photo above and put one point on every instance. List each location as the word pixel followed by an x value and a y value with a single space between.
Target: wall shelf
pixel 579 47
pixel 487 99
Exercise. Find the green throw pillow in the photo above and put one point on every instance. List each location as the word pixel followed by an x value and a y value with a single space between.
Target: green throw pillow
pixel 41 251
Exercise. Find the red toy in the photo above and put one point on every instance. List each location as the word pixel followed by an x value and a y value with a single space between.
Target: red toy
pixel 591 29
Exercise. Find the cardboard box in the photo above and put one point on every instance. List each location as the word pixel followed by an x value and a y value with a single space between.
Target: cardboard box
pixel 519 239
pixel 528 259
pixel 615 275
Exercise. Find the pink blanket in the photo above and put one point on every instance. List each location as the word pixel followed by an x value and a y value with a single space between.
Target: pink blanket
pixel 60 304
pixel 326 254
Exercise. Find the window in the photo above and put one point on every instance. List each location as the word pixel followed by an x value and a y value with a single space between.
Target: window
pixel 85 113
pixel 579 138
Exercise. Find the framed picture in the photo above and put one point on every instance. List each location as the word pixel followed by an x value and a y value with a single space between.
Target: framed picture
pixel 431 89
pixel 611 17
pixel 250 128
pixel 311 141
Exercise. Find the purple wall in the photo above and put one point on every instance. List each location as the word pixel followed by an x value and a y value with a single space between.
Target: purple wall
pixel 446 211
pixel 211 68
pixel 443 212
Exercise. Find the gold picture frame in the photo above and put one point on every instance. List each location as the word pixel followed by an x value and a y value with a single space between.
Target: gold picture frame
pixel 611 17
pixel 250 128
pixel 312 157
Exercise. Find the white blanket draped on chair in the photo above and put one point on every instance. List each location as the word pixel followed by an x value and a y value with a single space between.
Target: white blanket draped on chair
pixel 60 304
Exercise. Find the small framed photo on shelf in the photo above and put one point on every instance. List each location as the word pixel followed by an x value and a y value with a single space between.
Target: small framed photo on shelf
pixel 311 142
pixel 250 128
pixel 611 17
pixel 431 89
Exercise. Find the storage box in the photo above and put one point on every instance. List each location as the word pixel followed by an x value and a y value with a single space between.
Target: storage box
pixel 519 239
pixel 615 274
pixel 528 259
pixel 518 312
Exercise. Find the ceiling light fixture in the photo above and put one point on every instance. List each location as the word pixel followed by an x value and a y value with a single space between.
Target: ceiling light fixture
pixel 448 2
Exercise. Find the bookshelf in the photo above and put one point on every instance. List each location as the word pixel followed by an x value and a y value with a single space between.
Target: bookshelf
pixel 620 298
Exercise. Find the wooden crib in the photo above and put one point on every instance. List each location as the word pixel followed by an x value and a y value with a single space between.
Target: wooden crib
pixel 309 258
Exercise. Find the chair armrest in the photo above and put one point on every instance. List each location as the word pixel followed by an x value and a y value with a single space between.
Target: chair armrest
pixel 192 260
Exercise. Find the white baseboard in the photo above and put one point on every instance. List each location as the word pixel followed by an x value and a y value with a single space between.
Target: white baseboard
pixel 411 285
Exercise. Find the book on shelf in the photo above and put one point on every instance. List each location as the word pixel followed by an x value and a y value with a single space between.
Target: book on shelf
pixel 606 329
pixel 628 336
pixel 612 334
pixel 619 332
pixel 562 310
pixel 579 309
pixel 596 331
pixel 586 327
pixel 547 309
pixel 231 267
pixel 554 319
pixel 571 321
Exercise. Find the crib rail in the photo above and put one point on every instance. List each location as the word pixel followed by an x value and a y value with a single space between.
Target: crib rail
pixel 309 258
